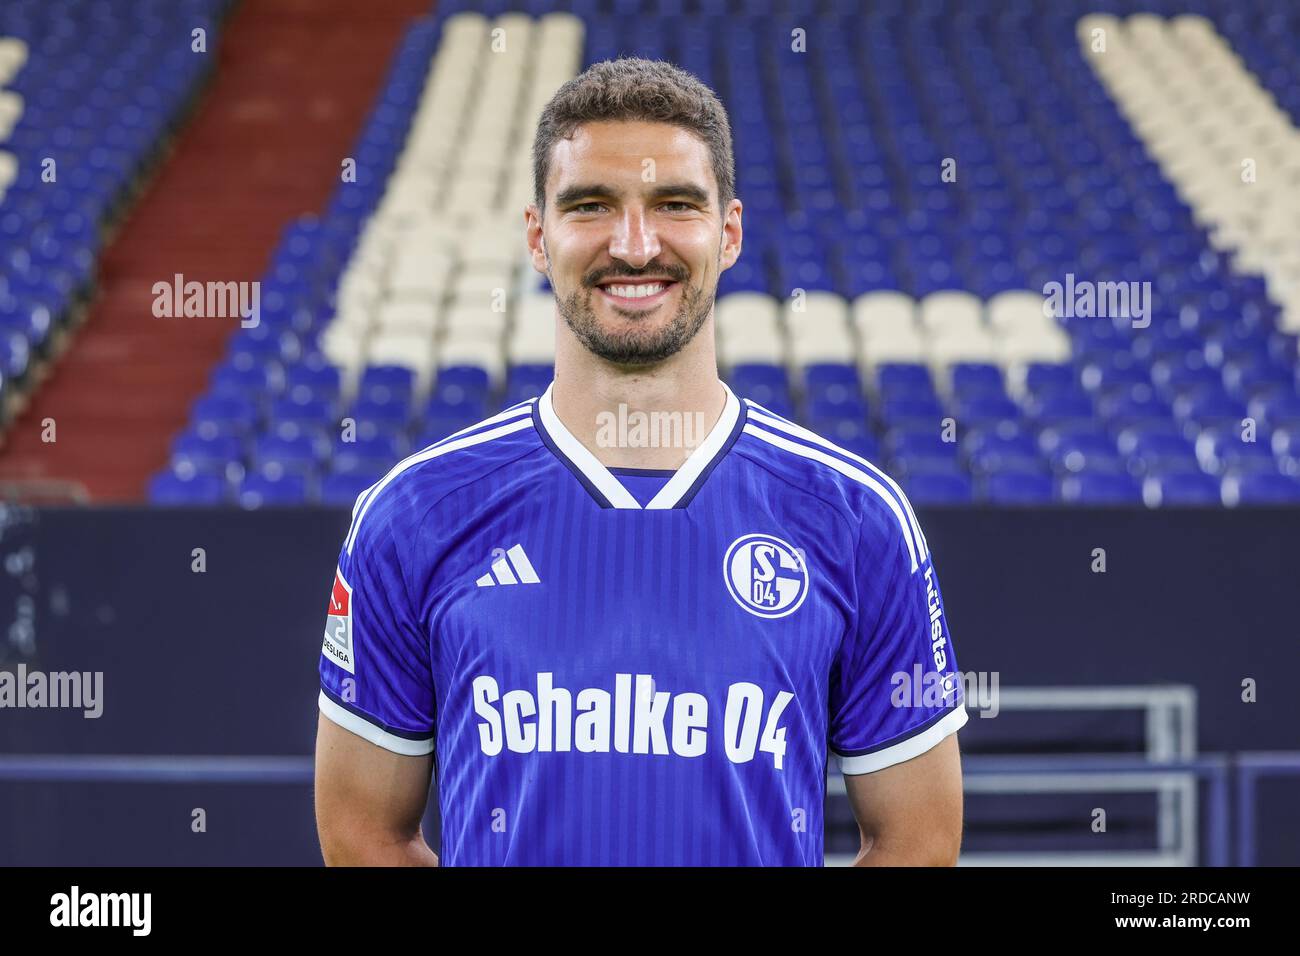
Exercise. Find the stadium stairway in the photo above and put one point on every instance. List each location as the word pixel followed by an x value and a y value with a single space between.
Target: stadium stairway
pixel 264 145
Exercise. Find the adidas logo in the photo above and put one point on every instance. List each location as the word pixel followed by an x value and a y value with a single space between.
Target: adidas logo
pixel 513 567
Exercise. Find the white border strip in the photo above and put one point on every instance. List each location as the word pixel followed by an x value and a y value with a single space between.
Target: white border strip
pixel 701 458
pixel 376 735
pixel 585 461
pixel 905 750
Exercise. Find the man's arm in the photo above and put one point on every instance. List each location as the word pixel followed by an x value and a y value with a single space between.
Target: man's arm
pixel 369 801
pixel 910 814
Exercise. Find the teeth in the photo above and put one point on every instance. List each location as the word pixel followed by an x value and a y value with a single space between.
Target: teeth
pixel 636 291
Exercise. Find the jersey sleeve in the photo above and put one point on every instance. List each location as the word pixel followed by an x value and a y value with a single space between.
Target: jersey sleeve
pixel 895 690
pixel 375 672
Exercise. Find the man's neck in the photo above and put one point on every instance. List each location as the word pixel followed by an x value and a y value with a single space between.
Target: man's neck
pixel 650 418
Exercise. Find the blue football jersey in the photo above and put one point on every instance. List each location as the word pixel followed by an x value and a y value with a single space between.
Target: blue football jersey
pixel 659 678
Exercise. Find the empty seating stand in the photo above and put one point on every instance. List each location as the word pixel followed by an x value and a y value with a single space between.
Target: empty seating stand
pixel 899 291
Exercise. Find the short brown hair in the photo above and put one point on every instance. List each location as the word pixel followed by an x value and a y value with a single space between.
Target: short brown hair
pixel 634 89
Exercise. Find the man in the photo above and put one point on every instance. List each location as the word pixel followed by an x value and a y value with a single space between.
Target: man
pixel 611 651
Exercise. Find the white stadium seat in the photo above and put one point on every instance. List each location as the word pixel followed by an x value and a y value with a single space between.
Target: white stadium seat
pixel 759 344
pixel 901 346
pixel 883 307
pixel 950 310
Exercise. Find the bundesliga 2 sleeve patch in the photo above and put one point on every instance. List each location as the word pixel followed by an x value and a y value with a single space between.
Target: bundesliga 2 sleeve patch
pixel 338 625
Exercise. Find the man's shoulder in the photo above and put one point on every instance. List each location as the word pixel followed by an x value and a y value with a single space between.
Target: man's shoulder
pixel 864 493
pixel 405 494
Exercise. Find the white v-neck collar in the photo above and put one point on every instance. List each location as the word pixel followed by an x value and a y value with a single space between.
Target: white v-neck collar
pixel 608 490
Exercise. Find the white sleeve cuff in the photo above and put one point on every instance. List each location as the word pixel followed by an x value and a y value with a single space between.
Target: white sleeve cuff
pixel 372 732
pixel 904 749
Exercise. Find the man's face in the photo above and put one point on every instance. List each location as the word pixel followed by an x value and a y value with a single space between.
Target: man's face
pixel 633 241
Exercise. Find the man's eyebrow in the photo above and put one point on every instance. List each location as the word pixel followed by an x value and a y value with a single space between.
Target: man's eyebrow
pixel 572 194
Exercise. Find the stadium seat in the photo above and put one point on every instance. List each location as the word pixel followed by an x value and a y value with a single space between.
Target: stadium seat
pixel 1260 488
pixel 340 489
pixel 1018 488
pixel 170 488
pixel 1090 488
pixel 1180 489
pixel 261 490
pixel 929 489
pixel 889 309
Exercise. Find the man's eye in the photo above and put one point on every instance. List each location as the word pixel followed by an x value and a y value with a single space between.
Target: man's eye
pixel 681 206
pixel 587 207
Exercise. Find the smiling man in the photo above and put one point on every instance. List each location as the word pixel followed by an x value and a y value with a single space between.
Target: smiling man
pixel 616 653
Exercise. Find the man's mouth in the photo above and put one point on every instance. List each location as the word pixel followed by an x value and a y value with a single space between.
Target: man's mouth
pixel 635 293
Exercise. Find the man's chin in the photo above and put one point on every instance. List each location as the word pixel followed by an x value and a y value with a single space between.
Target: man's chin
pixel 637 353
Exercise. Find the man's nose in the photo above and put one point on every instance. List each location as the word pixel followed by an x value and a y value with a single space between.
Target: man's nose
pixel 634 240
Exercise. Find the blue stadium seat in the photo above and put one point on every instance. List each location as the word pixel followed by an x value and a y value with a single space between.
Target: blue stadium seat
pixel 305 408
pixel 1013 453
pixel 529 379
pixel 762 383
pixel 904 380
pixel 205 452
pixel 358 466
pixel 1286 448
pixel 976 380
pixel 1137 403
pixel 261 491
pixel 1092 488
pixel 1183 373
pixel 1045 378
pixel 383 383
pixel 1015 487
pixel 1220 449
pixel 389 413
pixel 1260 488
pixel 276 455
pixel 1209 407
pixel 982 408
pixel 863 445
pixel 437 427
pixel 918 412
pixel 455 383
pixel 342 489
pixel 320 381
pixel 243 379
pixel 929 488
pixel 832 381
pixel 1276 408
pixel 842 431
pixel 228 413
pixel 1060 406
pixel 1256 377
pixel 920 443
pixel 1080 452
pixel 841 406
pixel 388 446
pixel 169 488
pixel 1180 489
